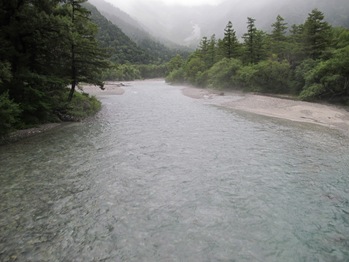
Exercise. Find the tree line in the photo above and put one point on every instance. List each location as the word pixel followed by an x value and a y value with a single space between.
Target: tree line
pixel 309 60
pixel 46 46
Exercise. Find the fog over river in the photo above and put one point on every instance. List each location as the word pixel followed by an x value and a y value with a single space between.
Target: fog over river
pixel 158 176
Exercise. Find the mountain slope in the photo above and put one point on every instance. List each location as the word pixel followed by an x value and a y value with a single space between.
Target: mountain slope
pixel 125 22
pixel 121 48
pixel 187 25
pixel 158 51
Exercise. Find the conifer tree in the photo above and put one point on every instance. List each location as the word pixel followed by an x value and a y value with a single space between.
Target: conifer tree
pixel 316 34
pixel 86 58
pixel 278 37
pixel 230 41
pixel 250 41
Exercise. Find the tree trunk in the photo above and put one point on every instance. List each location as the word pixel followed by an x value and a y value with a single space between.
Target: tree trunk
pixel 72 90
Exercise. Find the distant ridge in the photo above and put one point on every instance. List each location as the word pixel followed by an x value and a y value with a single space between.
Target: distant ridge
pixel 178 23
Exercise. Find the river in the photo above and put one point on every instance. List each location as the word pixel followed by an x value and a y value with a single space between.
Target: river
pixel 158 176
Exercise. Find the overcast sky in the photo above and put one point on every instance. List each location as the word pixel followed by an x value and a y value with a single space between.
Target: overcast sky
pixel 126 4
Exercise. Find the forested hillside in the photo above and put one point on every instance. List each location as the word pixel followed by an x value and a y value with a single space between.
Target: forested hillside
pixel 124 21
pixel 309 60
pixel 130 60
pixel 159 52
pixel 120 47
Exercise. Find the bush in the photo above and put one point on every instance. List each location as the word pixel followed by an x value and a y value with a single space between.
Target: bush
pixel 328 79
pixel 266 76
pixel 194 68
pixel 220 75
pixel 245 78
pixel 122 73
pixel 9 114
pixel 177 76
pixel 300 74
pixel 82 105
pixel 311 92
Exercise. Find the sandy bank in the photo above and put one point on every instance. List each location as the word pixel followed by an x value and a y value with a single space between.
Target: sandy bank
pixel 300 111
pixel 111 88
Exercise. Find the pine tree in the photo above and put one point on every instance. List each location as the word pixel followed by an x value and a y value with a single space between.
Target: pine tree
pixel 231 43
pixel 250 41
pixel 316 34
pixel 279 29
pixel 86 58
pixel 278 37
pixel 212 50
pixel 32 46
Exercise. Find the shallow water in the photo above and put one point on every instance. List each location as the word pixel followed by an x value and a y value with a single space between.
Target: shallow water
pixel 157 176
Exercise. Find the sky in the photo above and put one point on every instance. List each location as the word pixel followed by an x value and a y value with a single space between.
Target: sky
pixel 126 4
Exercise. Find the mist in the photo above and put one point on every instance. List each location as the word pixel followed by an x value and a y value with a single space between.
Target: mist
pixel 186 25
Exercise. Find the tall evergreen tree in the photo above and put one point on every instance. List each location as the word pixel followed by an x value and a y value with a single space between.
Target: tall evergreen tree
pixel 230 41
pixel 316 34
pixel 212 50
pixel 278 33
pixel 86 58
pixel 250 41
pixel 31 44
pixel 207 50
pixel 278 37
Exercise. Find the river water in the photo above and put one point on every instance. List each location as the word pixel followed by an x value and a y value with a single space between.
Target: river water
pixel 157 176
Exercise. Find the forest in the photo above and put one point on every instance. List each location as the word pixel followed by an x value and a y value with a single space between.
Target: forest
pixel 309 61
pixel 47 48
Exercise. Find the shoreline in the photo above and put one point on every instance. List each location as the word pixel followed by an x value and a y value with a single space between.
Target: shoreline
pixel 29 132
pixel 111 88
pixel 284 108
pixel 331 116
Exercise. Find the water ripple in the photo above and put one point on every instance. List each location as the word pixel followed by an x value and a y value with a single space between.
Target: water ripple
pixel 157 176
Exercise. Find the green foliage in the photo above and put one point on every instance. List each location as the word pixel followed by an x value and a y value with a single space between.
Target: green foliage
pixel 312 61
pixel 152 71
pixel 272 76
pixel 120 47
pixel 9 114
pixel 46 45
pixel 311 92
pixel 279 29
pixel 194 68
pixel 279 40
pixel 5 72
pixel 340 37
pixel 231 46
pixel 176 76
pixel 82 105
pixel 255 43
pixel 175 63
pixel 267 76
pixel 317 34
pixel 124 72
pixel 300 73
pixel 328 79
pixel 221 74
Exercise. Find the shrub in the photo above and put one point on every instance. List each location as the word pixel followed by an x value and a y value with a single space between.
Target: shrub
pixel 9 114
pixel 82 105
pixel 220 75
pixel 266 76
pixel 176 76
